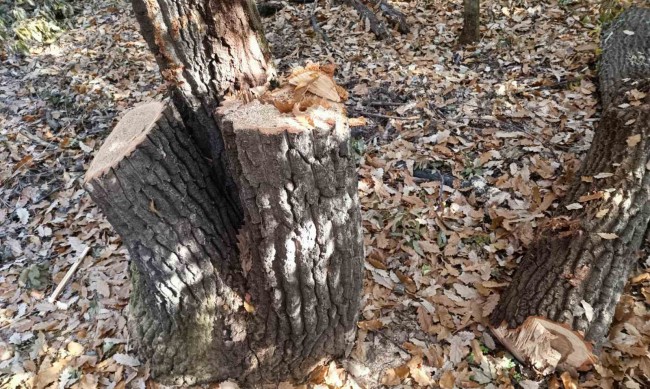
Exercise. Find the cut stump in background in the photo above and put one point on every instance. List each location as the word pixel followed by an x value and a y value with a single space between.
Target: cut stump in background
pixel 561 301
pixel 263 299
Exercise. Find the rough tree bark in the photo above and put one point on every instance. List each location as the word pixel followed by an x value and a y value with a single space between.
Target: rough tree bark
pixel 561 301
pixel 242 219
pixel 471 32
pixel 150 181
pixel 206 50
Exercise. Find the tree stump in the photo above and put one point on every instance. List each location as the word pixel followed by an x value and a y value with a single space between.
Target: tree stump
pixel 298 188
pixel 214 300
pixel 187 299
pixel 291 279
pixel 560 304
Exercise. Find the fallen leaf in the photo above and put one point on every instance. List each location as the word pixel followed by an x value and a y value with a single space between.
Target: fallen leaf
pixel 370 325
pixel 393 377
pixel 633 140
pixel 603 175
pixel 126 360
pixel 23 215
pixel 84 147
pixel 447 380
pixel 574 206
pixel 568 381
pixel 75 348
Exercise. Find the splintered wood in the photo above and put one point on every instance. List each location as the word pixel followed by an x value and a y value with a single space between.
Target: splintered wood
pixel 307 87
pixel 309 99
pixel 546 345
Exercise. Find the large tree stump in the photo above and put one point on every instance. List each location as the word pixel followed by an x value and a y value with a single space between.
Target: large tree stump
pixel 298 189
pixel 561 301
pixel 264 303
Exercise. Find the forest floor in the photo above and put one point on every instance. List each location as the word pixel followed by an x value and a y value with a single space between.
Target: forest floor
pixel 503 124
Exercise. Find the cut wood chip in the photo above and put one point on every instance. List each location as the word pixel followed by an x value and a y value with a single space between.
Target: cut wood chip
pixel 546 345
pixel 317 83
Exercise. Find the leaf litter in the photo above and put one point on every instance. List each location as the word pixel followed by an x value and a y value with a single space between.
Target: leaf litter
pixel 465 153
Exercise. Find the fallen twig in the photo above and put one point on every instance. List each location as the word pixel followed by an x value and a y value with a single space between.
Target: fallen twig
pixel 67 276
pixel 384 104
pixel 314 24
pixel 35 138
pixel 377 115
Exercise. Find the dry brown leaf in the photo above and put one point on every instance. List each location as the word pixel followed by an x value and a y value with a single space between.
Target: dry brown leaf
pixel 393 377
pixel 568 381
pixel 370 325
pixel 447 380
pixel 75 348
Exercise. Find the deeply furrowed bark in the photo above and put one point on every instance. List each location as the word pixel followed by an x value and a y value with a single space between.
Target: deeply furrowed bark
pixel 299 193
pixel 624 55
pixel 287 289
pixel 583 257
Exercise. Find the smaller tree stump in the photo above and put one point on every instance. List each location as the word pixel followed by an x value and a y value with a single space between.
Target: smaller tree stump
pixel 187 299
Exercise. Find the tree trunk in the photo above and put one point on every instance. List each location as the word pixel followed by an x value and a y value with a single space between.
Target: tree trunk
pixel 471 22
pixel 242 219
pixel 561 301
pixel 206 50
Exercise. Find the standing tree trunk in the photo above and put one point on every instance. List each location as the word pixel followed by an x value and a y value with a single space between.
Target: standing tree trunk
pixel 471 22
pixel 561 301
pixel 242 219
pixel 206 50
